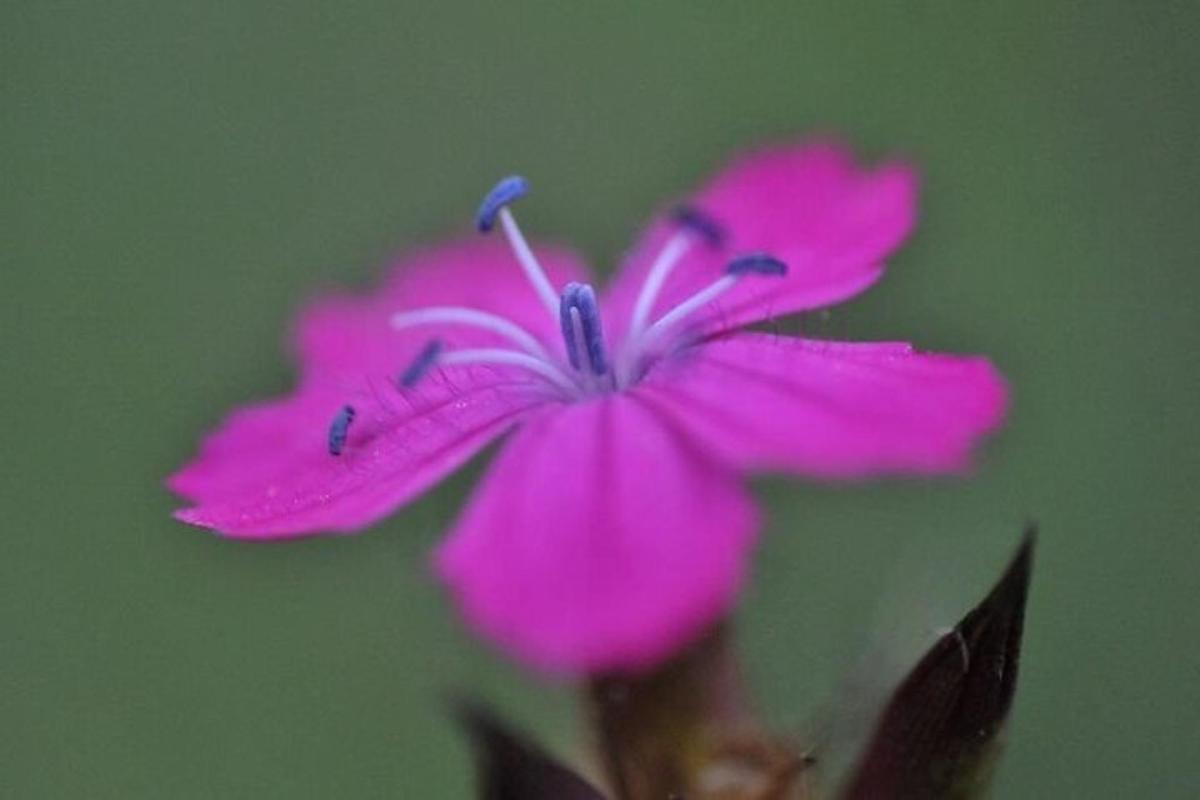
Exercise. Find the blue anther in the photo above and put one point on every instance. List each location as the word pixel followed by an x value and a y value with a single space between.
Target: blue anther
pixel 581 298
pixel 514 187
pixel 421 365
pixel 701 223
pixel 339 429
pixel 756 264
pixel 568 327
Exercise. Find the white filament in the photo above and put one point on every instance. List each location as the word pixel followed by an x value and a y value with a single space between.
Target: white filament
pixel 459 315
pixel 496 355
pixel 689 306
pixel 660 270
pixel 529 262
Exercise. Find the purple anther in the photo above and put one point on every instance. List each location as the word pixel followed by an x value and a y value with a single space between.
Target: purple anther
pixel 699 222
pixel 421 365
pixel 756 264
pixel 506 191
pixel 339 429
pixel 581 298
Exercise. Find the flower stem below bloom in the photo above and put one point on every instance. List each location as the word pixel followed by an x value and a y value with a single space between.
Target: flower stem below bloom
pixel 685 728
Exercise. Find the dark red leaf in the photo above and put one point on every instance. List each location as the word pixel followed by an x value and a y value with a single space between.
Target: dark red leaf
pixel 511 767
pixel 937 736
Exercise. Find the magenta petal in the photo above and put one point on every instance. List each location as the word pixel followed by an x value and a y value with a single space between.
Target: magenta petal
pixel 268 473
pixel 830 409
pixel 830 221
pixel 600 539
pixel 348 334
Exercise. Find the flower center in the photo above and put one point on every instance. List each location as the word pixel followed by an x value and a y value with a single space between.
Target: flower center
pixel 588 368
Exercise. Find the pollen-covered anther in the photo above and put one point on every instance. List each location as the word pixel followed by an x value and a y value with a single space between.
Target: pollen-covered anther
pixel 339 429
pixel 700 223
pixel 579 317
pixel 756 264
pixel 506 191
pixel 421 364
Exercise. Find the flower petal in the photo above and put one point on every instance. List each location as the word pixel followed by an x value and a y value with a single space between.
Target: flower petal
pixel 268 473
pixel 829 409
pixel 829 220
pixel 599 540
pixel 343 334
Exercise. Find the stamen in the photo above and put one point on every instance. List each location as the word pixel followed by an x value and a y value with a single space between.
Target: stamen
pixel 339 429
pixel 529 263
pixel 421 365
pixel 458 315
pixel 701 223
pixel 754 264
pixel 662 267
pixel 757 264
pixel 508 190
pixel 512 358
pixel 568 320
pixel 584 374
pixel 694 223
pixel 494 205
pixel 701 298
pixel 579 308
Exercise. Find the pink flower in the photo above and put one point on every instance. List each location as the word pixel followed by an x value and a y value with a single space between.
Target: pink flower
pixel 614 524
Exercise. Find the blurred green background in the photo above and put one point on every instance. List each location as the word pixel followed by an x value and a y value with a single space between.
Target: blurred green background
pixel 177 179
